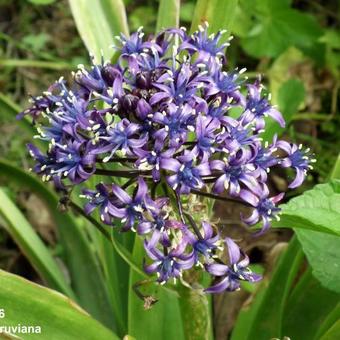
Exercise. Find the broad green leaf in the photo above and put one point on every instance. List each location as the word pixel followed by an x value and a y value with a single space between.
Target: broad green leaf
pixel 218 13
pixel 59 318
pixel 277 27
pixel 307 308
pixel 280 70
pixel 163 320
pixel 317 209
pixel 267 321
pixel 290 96
pixel 98 21
pixel 86 280
pixel 323 253
pixel 168 14
pixel 31 245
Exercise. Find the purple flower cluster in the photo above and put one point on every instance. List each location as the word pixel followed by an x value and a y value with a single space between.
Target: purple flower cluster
pixel 168 120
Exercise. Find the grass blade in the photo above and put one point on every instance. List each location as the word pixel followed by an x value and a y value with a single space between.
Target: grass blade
pixel 115 13
pixel 302 319
pixel 218 13
pixel 168 14
pixel 98 22
pixel 31 245
pixel 265 323
pixel 51 65
pixel 333 333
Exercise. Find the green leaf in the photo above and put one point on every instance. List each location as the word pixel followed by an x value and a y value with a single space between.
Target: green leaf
pixel 31 245
pixel 36 41
pixel 331 319
pixel 116 272
pixel 187 11
pixel 41 2
pixel 248 313
pixel 115 13
pixel 277 27
pixel 218 13
pixel 336 169
pixel 290 96
pixel 86 280
pixel 333 333
pixel 163 320
pixel 317 209
pixel 52 65
pixel 168 14
pixel 323 254
pixel 58 317
pixel 307 308
pixel 280 70
pixel 265 323
pixel 98 21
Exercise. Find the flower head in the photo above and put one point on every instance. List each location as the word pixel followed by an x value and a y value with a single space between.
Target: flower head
pixel 167 124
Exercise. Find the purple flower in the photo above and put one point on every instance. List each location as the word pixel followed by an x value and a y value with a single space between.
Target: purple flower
pixel 156 220
pixel 297 159
pixel 72 160
pixel 167 265
pixel 135 44
pixel 179 86
pixel 235 137
pixel 120 137
pixel 234 273
pixel 176 124
pixel 207 47
pixel 186 175
pixel 130 209
pixel 101 198
pixel 265 207
pixel 234 171
pixel 258 107
pixel 226 84
pixel 204 244
pixel 218 109
pixel 151 160
pixel 263 158
pixel 205 130
pixel 44 103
